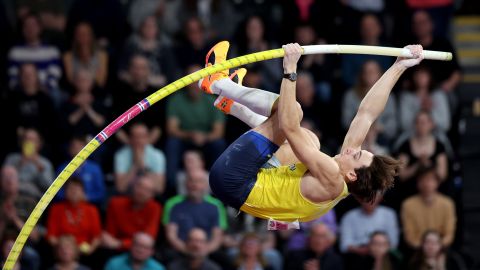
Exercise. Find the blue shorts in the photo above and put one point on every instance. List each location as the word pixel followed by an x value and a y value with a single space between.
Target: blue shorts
pixel 234 174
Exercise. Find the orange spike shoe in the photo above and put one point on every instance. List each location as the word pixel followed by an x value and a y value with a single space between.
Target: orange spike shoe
pixel 216 55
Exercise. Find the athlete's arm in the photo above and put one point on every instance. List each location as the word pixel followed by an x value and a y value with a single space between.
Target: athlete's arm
pixel 374 102
pixel 318 163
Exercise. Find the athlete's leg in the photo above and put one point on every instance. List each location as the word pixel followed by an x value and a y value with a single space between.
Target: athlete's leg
pixel 240 111
pixel 259 101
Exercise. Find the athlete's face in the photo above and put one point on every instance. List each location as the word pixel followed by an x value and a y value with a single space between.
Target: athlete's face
pixel 351 159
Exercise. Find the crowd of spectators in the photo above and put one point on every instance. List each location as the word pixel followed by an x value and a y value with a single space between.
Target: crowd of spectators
pixel 142 200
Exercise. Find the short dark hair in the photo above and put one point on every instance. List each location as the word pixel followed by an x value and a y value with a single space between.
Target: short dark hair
pixel 374 179
pixel 74 180
pixel 426 170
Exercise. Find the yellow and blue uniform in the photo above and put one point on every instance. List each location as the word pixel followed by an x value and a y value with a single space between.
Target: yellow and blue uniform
pixel 276 195
pixel 237 179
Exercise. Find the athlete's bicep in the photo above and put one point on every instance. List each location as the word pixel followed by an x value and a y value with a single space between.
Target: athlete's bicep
pixel 357 132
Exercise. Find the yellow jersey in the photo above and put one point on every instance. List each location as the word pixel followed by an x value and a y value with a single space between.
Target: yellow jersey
pixel 277 195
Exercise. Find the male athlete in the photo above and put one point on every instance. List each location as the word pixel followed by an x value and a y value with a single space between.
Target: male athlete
pixel 315 182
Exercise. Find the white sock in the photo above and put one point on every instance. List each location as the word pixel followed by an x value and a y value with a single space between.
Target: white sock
pixel 243 113
pixel 259 101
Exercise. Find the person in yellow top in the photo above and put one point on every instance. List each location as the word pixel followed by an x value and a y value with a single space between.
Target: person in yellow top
pixel 312 182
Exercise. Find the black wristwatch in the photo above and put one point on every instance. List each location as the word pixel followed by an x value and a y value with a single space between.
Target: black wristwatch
pixel 291 76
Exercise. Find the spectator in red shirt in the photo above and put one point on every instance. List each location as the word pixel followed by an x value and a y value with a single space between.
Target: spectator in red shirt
pixel 127 215
pixel 75 216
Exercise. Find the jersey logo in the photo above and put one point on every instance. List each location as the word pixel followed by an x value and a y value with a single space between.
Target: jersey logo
pixel 292 167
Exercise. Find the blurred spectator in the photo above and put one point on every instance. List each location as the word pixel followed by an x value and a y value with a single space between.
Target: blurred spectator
pixel 6 246
pixel 307 98
pixel 254 78
pixel 251 38
pixel 85 54
pixel 365 5
pixel 67 254
pixel 139 257
pixel 195 210
pixel 128 215
pixel 441 12
pixel 14 206
pixel 380 255
pixel 192 122
pixel 422 149
pixel 212 14
pixel 318 65
pixel 76 217
pixel 137 158
pixel 239 224
pixel 320 14
pixel 313 108
pixel 29 106
pixel 106 17
pixel 51 14
pixel 423 96
pixel 429 210
pixel 432 254
pixel 192 161
pixel 14 211
pixel 35 171
pixel 28 259
pixel 266 9
pixel 318 254
pixel 368 76
pixel 139 10
pixel 90 173
pixel 197 250
pixel 297 239
pixel 83 113
pixel 446 73
pixel 358 224
pixel 250 255
pixel 148 42
pixel 195 44
pixel 370 34
pixel 371 141
pixel 7 23
pixel 32 50
pixel 134 88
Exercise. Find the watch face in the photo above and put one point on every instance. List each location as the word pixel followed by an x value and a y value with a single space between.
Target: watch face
pixel 293 76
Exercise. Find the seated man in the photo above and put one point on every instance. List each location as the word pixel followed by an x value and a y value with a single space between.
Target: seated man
pixel 195 210
pixel 192 124
pixel 317 182
pixel 358 224
pixel 196 253
pixel 128 215
pixel 139 257
pixel 318 254
pixel 137 158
